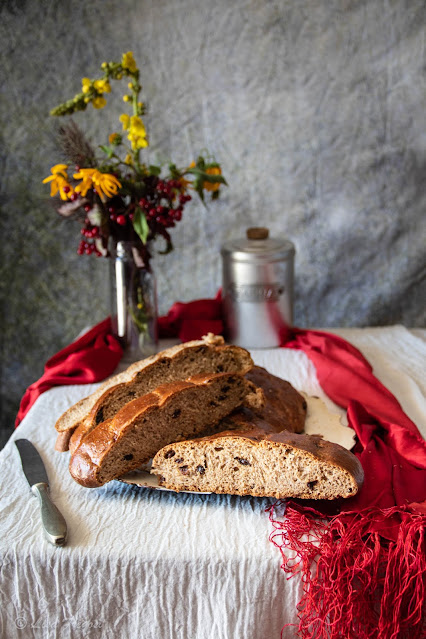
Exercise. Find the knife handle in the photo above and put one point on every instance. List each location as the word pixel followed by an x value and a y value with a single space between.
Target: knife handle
pixel 55 526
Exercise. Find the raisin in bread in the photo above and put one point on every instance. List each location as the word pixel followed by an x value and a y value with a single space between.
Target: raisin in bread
pixel 172 411
pixel 260 463
pixel 209 355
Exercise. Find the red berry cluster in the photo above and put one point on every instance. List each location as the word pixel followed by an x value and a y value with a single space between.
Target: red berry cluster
pixel 90 232
pixel 163 205
pixel 116 211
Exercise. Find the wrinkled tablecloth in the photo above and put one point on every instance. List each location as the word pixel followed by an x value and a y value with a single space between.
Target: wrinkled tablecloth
pixel 149 564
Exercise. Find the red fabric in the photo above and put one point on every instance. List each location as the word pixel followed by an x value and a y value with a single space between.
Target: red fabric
pixel 344 374
pixel 88 359
pixel 360 586
pixel 192 320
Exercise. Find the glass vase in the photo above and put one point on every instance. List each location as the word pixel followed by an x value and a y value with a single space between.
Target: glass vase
pixel 133 302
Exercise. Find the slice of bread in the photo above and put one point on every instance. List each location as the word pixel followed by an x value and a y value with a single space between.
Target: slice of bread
pixel 260 464
pixel 171 412
pixel 209 355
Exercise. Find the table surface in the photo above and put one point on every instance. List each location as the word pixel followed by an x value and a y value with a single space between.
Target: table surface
pixel 159 565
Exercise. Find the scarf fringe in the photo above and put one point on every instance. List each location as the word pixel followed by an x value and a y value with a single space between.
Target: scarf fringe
pixel 356 582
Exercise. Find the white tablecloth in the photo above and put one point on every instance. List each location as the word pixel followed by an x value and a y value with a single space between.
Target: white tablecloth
pixel 147 564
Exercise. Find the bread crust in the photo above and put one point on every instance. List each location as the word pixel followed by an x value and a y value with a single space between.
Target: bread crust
pixel 284 408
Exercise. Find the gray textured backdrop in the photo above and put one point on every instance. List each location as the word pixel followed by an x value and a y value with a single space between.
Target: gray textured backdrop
pixel 315 108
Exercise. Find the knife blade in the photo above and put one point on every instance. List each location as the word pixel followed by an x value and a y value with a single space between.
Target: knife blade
pixel 54 524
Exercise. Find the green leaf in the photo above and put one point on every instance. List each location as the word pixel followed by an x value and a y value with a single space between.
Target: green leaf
pixel 207 177
pixel 198 186
pixel 154 170
pixel 174 173
pixel 106 149
pixel 140 225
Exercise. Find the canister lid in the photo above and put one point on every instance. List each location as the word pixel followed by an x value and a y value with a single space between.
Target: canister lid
pixel 258 246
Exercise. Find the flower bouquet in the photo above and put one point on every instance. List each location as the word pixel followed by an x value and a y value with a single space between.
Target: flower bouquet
pixel 122 203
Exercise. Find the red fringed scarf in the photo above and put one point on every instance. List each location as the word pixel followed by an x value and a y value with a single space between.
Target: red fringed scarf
pixel 356 583
pixel 363 567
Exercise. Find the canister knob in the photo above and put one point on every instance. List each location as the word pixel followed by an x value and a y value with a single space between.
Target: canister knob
pixel 257 233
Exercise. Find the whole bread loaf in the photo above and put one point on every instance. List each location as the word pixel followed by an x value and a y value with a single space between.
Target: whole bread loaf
pixel 260 463
pixel 209 355
pixel 171 412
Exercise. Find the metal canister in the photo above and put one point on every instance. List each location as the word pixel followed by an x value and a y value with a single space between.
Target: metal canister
pixel 257 289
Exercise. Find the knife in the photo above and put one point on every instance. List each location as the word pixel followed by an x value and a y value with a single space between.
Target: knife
pixel 55 526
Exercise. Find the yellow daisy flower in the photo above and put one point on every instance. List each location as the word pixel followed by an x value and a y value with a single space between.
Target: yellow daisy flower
pixel 86 176
pixel 104 183
pixel 59 182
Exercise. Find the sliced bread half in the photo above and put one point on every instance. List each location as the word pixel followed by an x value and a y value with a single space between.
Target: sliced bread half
pixel 260 463
pixel 209 355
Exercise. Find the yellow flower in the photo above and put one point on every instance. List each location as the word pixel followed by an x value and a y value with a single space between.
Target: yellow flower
pixel 113 138
pixel 86 176
pixel 137 125
pixel 104 183
pixel 103 86
pixel 99 102
pixel 86 82
pixel 126 98
pixel 184 184
pixel 212 186
pixel 125 121
pixel 137 133
pixel 59 182
pixel 128 159
pixel 128 62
